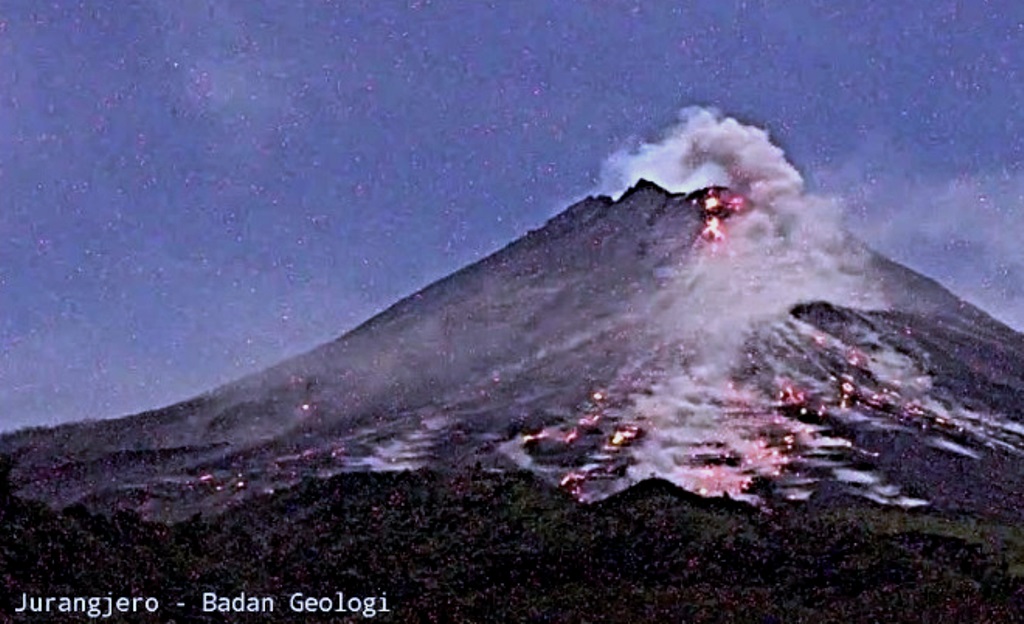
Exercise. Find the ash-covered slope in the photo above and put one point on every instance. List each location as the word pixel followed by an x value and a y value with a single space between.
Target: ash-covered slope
pixel 420 381
pixel 762 355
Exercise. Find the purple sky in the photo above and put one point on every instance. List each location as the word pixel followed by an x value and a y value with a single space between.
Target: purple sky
pixel 191 190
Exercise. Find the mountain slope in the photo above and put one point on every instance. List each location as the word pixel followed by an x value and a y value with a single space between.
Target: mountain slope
pixel 734 341
pixel 592 352
pixel 497 314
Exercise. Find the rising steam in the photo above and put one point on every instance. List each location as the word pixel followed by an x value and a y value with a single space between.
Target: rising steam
pixel 788 249
pixel 703 150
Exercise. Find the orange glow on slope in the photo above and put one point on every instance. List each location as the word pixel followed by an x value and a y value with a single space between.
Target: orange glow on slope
pixel 624 435
pixel 713 230
pixel 790 395
pixel 573 482
pixel 717 204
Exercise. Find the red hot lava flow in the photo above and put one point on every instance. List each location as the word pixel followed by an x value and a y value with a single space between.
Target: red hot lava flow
pixel 717 203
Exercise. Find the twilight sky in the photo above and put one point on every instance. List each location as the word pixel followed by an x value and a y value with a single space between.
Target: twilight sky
pixel 191 190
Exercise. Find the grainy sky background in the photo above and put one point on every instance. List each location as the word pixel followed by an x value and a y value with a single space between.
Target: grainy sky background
pixel 191 190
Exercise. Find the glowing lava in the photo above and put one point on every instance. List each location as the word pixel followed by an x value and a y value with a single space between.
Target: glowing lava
pixel 624 435
pixel 790 395
pixel 717 203
pixel 713 230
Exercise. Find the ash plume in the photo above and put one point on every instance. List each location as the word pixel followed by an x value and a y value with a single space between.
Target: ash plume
pixel 705 149
pixel 790 248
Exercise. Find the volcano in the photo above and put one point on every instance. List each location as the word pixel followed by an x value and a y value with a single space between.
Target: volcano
pixel 612 345
pixel 715 327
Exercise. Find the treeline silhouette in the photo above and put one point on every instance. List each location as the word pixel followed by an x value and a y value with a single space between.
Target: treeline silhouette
pixel 481 547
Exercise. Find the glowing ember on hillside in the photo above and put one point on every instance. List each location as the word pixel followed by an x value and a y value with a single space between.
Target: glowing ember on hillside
pixel 533 437
pixel 624 435
pixel 718 203
pixel 790 395
pixel 713 230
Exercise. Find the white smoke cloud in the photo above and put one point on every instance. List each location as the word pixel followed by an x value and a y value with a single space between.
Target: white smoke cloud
pixel 964 232
pixel 788 249
pixel 705 149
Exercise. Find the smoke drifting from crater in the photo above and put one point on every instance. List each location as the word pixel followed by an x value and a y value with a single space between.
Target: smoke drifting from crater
pixel 705 149
pixel 788 248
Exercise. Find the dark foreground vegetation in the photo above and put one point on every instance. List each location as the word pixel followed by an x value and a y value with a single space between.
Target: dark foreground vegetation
pixel 501 548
